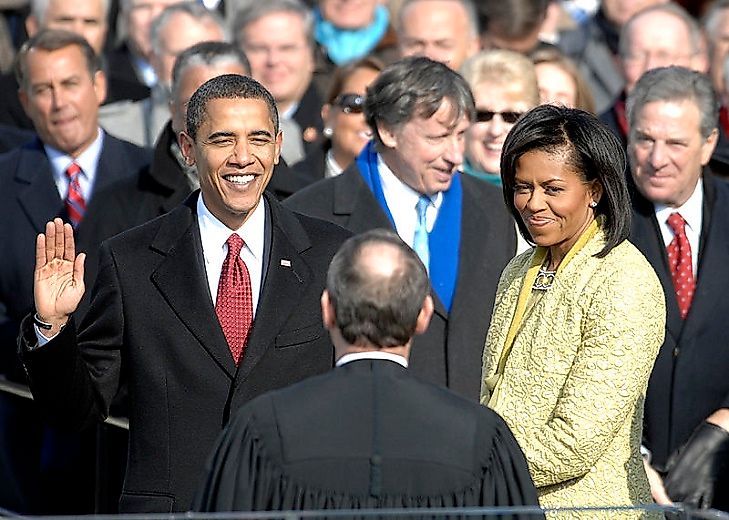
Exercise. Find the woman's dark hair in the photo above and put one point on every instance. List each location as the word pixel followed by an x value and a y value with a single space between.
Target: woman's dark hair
pixel 342 74
pixel 588 147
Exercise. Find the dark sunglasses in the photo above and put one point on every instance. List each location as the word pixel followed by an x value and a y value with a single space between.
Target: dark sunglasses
pixel 484 116
pixel 350 103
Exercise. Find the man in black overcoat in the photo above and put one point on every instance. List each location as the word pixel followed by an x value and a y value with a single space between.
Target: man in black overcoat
pixel 163 306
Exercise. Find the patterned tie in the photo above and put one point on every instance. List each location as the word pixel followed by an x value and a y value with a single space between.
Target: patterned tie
pixel 234 305
pixel 75 203
pixel 679 260
pixel 420 242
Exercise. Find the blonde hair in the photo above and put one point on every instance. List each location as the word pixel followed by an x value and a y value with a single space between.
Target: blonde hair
pixel 504 68
pixel 583 95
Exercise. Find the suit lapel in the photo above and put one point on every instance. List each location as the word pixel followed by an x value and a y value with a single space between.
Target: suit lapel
pixel 287 277
pixel 646 235
pixel 39 199
pixel 354 201
pixel 182 280
pixel 713 254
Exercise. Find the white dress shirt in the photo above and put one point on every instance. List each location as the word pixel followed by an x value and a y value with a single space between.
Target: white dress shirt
pixel 88 161
pixel 402 200
pixel 214 235
pixel 371 354
pixel 692 213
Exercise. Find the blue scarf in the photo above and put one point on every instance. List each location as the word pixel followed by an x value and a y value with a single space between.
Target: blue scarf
pixel 445 238
pixel 470 169
pixel 345 45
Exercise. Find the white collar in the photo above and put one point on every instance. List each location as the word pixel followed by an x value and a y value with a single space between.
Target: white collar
pixel 252 231
pixel 88 160
pixel 372 354
pixel 691 210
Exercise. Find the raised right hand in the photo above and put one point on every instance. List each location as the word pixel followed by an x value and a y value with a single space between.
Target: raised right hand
pixel 59 275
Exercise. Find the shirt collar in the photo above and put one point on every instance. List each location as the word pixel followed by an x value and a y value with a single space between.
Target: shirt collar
pixel 392 184
pixel 88 160
pixel 691 210
pixel 216 233
pixel 371 354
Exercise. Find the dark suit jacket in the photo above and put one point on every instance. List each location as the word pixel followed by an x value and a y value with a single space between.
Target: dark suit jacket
pixel 689 379
pixel 308 116
pixel 152 318
pixel 383 440
pixel 450 352
pixel 28 199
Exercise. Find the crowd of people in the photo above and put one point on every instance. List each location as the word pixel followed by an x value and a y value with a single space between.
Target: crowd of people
pixel 354 254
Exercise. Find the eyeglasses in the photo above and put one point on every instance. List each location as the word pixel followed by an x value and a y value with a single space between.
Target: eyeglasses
pixel 350 103
pixel 484 116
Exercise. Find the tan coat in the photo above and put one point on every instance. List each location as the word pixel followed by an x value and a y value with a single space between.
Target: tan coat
pixel 573 386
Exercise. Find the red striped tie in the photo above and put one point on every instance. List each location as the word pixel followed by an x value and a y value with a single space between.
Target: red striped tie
pixel 234 305
pixel 75 203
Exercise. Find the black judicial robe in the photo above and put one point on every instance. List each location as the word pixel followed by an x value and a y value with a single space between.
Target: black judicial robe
pixel 366 435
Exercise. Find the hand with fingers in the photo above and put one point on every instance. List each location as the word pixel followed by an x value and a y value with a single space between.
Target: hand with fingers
pixel 59 276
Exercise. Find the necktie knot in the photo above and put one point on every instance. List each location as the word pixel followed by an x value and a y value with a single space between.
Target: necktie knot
pixel 677 223
pixel 73 170
pixel 422 207
pixel 235 244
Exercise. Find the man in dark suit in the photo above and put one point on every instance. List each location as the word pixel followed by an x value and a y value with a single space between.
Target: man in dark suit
pixel 419 110
pixel 384 439
pixel 61 87
pixel 202 309
pixel 680 215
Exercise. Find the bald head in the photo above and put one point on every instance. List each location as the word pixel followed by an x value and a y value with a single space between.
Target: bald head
pixel 377 288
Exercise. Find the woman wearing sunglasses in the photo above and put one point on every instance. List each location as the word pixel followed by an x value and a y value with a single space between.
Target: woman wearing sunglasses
pixel 345 129
pixel 504 86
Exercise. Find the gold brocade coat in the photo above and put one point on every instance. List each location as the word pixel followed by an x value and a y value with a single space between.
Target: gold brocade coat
pixel 573 386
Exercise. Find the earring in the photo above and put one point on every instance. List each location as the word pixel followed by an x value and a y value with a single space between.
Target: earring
pixel 593 204
pixel 328 132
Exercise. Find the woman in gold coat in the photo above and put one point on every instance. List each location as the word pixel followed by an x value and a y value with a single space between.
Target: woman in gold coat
pixel 578 319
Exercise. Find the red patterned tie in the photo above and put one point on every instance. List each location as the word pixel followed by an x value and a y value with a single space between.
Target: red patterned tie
pixel 679 259
pixel 234 305
pixel 75 203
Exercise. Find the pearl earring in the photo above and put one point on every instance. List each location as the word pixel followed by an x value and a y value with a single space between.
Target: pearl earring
pixel 593 204
pixel 328 132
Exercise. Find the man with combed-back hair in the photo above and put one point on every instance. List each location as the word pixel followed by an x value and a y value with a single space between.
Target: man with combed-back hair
pixel 368 434
pixel 680 215
pixel 407 179
pixel 205 307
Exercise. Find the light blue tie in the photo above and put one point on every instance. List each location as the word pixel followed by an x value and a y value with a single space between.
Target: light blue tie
pixel 420 242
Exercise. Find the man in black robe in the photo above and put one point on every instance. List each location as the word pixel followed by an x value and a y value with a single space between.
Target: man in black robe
pixel 368 434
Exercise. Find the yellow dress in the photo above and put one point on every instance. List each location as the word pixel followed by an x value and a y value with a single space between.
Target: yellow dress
pixel 573 385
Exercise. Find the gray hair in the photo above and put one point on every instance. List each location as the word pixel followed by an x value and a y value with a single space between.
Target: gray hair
pixel 710 20
pixel 227 86
pixel 373 308
pixel 415 86
pixel 197 12
pixel 695 35
pixel 38 9
pixel 255 10
pixel 206 54
pixel 675 84
pixel 468 7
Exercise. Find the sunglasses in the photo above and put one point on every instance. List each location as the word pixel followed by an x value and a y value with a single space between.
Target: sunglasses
pixel 350 103
pixel 484 116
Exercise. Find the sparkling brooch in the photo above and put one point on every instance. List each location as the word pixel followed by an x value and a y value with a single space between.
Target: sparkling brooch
pixel 544 279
